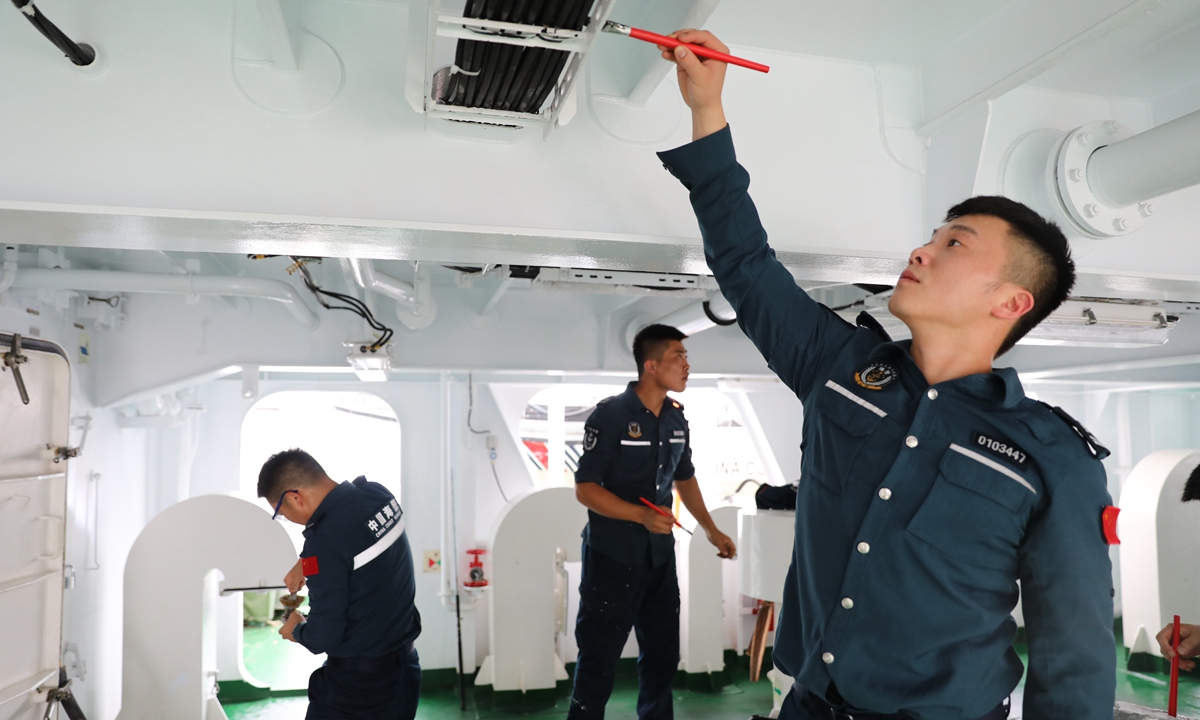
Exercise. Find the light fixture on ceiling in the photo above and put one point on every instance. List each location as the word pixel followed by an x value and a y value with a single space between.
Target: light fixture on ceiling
pixel 370 365
pixel 1080 323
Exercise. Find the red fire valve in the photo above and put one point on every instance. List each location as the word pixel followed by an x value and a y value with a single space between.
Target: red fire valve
pixel 475 569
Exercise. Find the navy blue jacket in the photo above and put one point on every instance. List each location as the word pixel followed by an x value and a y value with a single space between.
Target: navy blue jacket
pixel 359 571
pixel 920 507
pixel 633 454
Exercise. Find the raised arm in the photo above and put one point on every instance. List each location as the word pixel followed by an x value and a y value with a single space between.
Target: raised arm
pixel 1066 595
pixel 794 333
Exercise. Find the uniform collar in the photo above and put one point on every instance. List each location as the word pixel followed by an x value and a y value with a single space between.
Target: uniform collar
pixel 632 401
pixel 335 496
pixel 1001 386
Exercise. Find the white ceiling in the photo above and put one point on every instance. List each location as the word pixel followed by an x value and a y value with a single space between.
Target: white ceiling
pixel 904 32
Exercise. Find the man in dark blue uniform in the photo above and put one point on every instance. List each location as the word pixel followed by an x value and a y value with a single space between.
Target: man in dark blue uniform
pixel 636 445
pixel 930 483
pixel 359 570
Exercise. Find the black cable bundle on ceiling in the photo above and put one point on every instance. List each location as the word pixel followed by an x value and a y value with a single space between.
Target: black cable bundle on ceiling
pixel 512 77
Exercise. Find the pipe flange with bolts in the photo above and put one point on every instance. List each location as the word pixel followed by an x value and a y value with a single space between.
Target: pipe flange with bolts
pixel 1091 215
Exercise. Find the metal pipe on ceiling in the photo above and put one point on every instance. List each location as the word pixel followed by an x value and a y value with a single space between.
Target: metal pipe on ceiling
pixel 368 278
pixel 1160 160
pixel 129 282
pixel 10 267
pixel 699 316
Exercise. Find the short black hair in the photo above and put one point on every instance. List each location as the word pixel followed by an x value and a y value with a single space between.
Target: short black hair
pixel 288 470
pixel 1191 488
pixel 1043 265
pixel 650 343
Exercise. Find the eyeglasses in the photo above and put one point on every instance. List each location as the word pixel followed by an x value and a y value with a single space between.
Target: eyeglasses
pixel 279 504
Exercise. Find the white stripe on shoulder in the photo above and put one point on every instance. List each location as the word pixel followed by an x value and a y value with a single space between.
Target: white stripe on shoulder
pixel 380 545
pixel 678 440
pixel 851 396
pixel 993 465
pixel 635 442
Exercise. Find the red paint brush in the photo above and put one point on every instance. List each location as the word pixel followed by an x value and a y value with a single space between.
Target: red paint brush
pixel 665 514
pixel 655 38
pixel 1173 697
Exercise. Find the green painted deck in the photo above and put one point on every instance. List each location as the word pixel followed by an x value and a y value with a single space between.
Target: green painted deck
pixel 285 667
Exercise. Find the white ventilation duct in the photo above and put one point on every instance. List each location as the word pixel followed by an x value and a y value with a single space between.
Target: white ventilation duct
pixel 129 282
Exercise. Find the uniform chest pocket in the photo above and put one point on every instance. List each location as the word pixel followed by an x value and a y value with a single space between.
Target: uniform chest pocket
pixel 976 511
pixel 840 427
pixel 633 459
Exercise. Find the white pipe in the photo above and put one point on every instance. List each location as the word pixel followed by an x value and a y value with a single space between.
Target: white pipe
pixel 10 267
pixel 691 319
pixel 1152 163
pixel 446 479
pixel 370 279
pixel 120 282
pixel 278 36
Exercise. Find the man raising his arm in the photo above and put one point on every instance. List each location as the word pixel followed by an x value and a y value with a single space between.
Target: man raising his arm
pixel 930 483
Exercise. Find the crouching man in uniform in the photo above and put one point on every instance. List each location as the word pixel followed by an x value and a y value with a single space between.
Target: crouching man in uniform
pixel 636 445
pixel 359 570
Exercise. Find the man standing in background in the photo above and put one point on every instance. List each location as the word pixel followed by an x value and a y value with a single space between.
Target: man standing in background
pixel 636 445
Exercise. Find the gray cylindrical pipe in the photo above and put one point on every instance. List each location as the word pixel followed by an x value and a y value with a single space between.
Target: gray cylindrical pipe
pixel 1161 160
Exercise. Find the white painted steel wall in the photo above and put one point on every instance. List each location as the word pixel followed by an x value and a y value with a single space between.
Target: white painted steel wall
pixel 1159 537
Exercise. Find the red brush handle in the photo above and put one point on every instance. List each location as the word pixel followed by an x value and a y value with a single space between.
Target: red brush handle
pixel 1173 697
pixel 659 510
pixel 700 50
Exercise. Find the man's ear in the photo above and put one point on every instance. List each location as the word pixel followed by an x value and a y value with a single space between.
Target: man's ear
pixel 1018 302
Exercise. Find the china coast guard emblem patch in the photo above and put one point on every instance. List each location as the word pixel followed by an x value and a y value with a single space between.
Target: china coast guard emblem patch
pixel 590 435
pixel 876 376
pixel 635 430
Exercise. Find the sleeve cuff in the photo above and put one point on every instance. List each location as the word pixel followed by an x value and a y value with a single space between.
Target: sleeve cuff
pixel 701 159
pixel 298 634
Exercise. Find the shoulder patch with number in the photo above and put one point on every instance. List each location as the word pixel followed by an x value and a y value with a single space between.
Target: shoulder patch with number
pixel 1001 448
pixel 590 436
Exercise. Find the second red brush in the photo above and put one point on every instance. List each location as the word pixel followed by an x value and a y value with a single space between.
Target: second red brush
pixel 664 513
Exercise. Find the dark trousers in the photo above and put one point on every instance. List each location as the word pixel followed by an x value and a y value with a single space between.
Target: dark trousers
pixel 386 688
pixel 612 599
pixel 800 704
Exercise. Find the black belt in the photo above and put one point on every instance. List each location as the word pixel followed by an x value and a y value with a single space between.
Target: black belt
pixel 379 664
pixel 819 708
